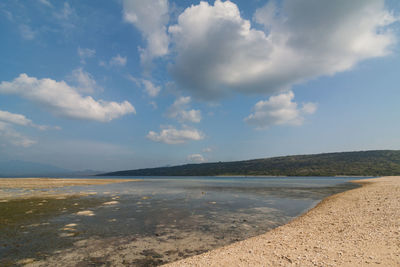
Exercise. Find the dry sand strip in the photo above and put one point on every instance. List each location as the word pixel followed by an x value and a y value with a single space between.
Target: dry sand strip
pixel 359 227
pixel 41 183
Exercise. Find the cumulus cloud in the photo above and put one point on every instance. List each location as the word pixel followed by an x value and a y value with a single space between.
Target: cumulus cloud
pixel 150 17
pixel 207 150
pixel 66 17
pixel 196 158
pixel 85 53
pixel 172 136
pixel 151 89
pixel 65 13
pixel 309 108
pixel 64 100
pixel 26 32
pixel 118 60
pixel 19 119
pixel 153 105
pixel 10 136
pixel 279 110
pixel 217 51
pixel 84 81
pixel 180 111
pixel 45 2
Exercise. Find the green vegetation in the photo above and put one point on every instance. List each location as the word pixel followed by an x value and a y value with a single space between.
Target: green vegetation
pixel 361 163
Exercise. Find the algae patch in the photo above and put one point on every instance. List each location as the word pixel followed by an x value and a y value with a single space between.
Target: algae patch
pixel 25 223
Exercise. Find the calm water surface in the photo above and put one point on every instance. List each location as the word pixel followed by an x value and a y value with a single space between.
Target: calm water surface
pixel 155 220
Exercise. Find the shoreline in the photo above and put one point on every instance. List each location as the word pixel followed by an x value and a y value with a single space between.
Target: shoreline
pixel 356 227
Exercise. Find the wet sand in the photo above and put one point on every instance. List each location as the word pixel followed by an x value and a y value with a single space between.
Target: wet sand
pixel 355 228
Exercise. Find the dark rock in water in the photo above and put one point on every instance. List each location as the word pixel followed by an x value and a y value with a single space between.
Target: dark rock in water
pixel 94 261
pixel 151 253
pixel 146 262
pixel 188 251
pixel 169 252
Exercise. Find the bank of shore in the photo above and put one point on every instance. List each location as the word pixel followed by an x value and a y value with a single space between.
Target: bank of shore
pixel 354 228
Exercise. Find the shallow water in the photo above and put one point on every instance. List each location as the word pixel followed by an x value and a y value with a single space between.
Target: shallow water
pixel 152 221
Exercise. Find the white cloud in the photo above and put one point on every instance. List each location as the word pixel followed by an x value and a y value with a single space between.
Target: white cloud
pixel 8 15
pixel 85 53
pixel 171 135
pixel 46 3
pixel 207 150
pixel 118 60
pixel 64 100
pixel 151 89
pixel 9 136
pixel 84 80
pixel 309 108
pixel 279 110
pixel 26 32
pixel 137 81
pixel 153 105
pixel 65 13
pixel 179 110
pixel 151 18
pixel 67 18
pixel 196 158
pixel 19 119
pixel 217 51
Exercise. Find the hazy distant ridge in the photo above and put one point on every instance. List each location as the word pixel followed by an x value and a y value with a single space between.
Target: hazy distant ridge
pixel 360 163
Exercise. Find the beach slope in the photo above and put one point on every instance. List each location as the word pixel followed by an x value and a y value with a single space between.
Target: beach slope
pixel 354 228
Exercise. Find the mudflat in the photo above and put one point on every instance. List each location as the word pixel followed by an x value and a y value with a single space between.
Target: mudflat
pixel 355 228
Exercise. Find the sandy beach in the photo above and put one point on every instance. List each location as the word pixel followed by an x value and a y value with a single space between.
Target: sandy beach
pixel 355 228
pixel 36 183
pixel 47 187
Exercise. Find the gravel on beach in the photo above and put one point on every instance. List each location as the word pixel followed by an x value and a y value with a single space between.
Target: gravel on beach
pixel 359 227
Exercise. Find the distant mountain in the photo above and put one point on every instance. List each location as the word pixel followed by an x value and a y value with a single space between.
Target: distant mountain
pixel 17 168
pixel 360 163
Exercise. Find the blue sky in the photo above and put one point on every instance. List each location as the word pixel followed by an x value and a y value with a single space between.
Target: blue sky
pixel 112 85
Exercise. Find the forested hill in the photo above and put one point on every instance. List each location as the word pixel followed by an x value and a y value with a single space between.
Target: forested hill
pixel 360 163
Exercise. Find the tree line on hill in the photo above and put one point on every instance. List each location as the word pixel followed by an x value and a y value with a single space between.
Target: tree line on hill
pixel 360 163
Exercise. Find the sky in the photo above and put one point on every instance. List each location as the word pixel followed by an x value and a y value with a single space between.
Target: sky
pixel 126 84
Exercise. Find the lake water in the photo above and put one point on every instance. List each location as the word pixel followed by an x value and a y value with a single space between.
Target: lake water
pixel 155 220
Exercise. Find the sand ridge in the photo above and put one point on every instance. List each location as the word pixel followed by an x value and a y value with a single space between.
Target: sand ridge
pixel 24 188
pixel 355 228
pixel 35 183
